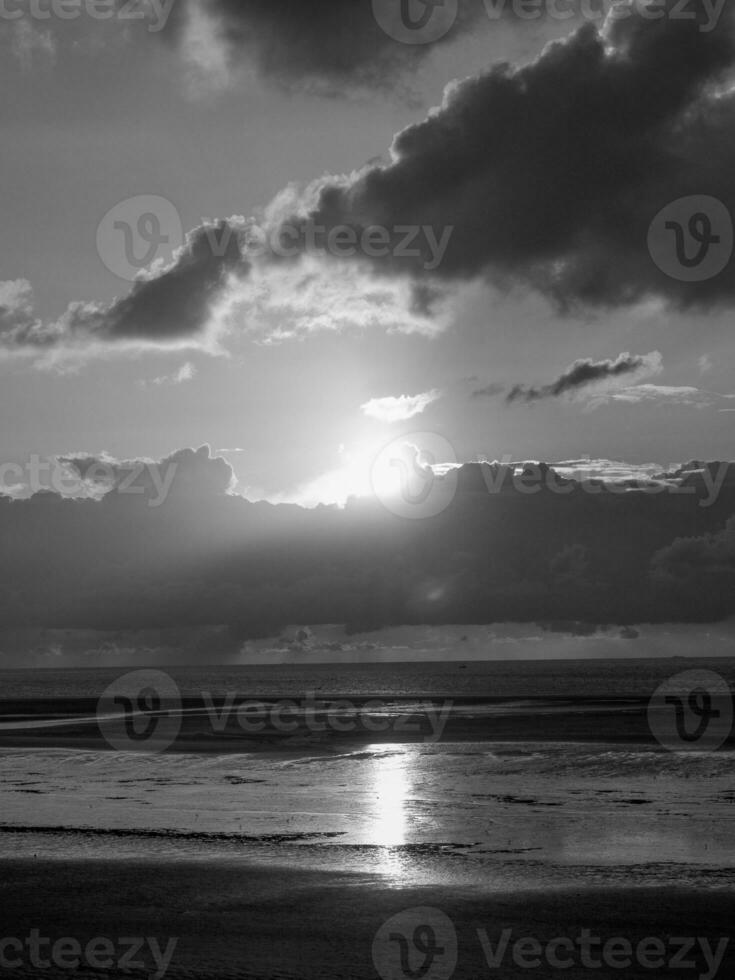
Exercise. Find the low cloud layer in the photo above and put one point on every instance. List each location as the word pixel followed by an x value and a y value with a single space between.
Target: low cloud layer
pixel 191 472
pixel 699 573
pixel 516 543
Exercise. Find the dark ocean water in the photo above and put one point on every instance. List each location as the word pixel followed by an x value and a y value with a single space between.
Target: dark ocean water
pixel 497 679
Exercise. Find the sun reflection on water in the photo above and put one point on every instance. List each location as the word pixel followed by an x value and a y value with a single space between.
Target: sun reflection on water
pixel 389 825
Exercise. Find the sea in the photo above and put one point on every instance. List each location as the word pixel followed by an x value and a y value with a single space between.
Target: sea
pixel 493 775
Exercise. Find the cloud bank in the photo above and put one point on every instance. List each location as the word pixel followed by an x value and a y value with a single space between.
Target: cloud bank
pixel 516 546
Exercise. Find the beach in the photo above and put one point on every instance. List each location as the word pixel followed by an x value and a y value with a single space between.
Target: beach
pixel 489 802
pixel 239 920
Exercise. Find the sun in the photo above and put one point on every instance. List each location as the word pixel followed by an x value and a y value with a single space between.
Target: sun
pixel 365 473
pixel 363 470
pixel 393 470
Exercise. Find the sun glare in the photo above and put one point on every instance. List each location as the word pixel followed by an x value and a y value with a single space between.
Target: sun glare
pixel 364 472
pixel 391 788
pixel 398 469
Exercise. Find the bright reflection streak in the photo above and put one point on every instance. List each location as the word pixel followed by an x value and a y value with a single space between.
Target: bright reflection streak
pixel 391 785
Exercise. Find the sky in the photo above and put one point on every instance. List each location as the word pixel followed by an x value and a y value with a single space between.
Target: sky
pixel 546 330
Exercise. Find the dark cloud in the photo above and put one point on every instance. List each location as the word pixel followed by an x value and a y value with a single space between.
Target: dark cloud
pixel 547 175
pixel 516 543
pixel 322 44
pixel 489 391
pixel 585 373
pixel 551 174
pixel 176 303
pixel 698 573
pixel 167 307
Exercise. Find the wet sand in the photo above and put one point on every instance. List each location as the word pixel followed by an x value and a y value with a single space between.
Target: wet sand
pixel 247 921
